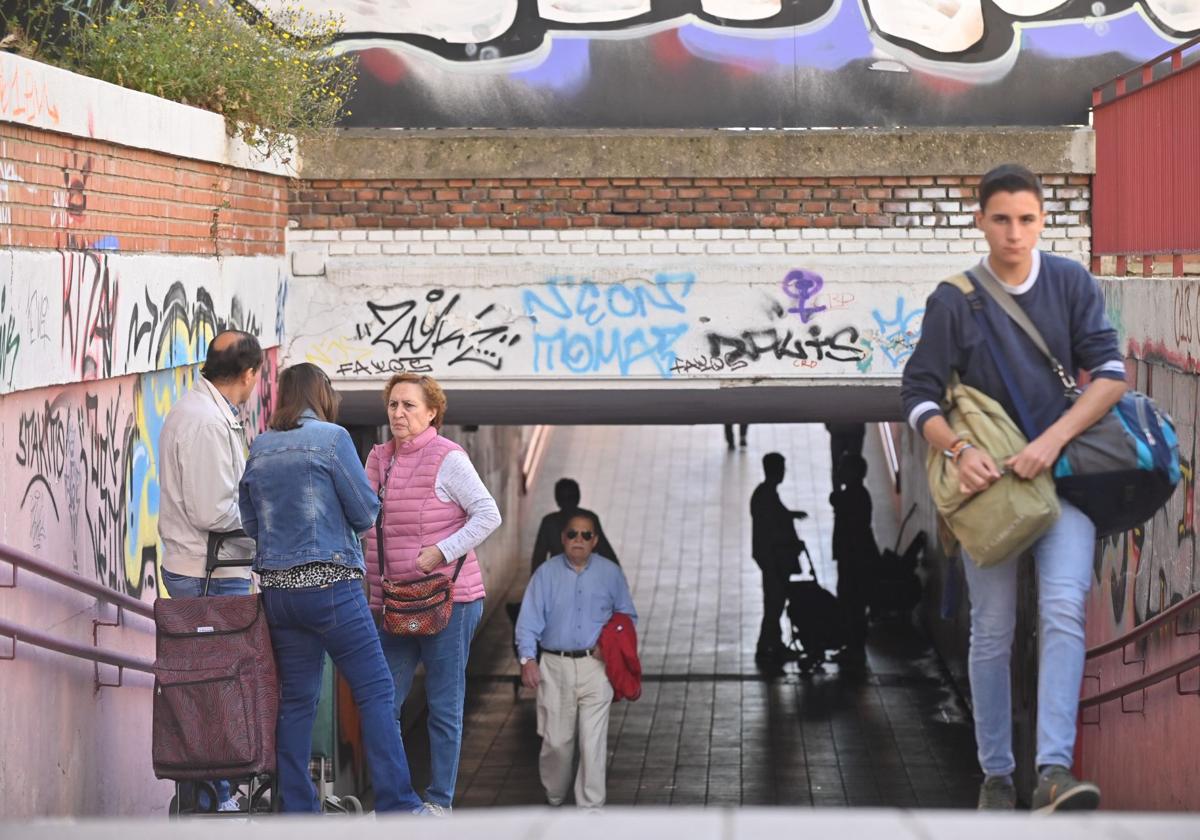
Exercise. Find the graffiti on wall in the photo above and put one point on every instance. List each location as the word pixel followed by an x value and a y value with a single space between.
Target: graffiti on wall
pixel 84 468
pixel 580 327
pixel 719 63
pixel 93 313
pixel 415 332
pixel 25 95
pixel 620 322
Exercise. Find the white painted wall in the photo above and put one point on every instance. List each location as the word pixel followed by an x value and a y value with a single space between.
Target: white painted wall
pixel 620 309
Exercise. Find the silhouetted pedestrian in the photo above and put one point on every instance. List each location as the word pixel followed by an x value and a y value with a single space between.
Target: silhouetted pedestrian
pixel 844 439
pixel 549 535
pixel 776 550
pixel 742 427
pixel 854 550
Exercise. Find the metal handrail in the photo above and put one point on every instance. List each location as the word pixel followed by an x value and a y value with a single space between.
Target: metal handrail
pixel 1142 682
pixel 1136 634
pixel 1147 70
pixel 21 560
pixel 1145 628
pixel 19 633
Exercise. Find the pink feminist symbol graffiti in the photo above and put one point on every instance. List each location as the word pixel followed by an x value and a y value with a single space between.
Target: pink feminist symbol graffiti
pixel 803 285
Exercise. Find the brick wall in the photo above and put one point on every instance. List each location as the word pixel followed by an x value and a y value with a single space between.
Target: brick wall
pixel 663 203
pixel 58 191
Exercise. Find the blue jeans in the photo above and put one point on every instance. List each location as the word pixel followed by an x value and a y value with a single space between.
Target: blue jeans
pixel 305 623
pixel 445 657
pixel 185 586
pixel 1063 560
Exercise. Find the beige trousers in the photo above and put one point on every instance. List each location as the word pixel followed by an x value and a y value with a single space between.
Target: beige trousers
pixel 573 699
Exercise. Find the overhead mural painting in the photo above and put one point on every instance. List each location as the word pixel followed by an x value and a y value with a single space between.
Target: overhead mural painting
pixel 722 63
pixel 658 323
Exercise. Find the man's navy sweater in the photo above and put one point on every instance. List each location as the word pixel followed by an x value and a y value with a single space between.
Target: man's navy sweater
pixel 1067 307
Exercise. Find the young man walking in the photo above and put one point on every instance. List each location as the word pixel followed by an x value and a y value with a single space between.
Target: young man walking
pixel 1065 303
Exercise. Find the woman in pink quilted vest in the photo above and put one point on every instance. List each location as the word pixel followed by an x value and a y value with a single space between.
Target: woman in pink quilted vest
pixel 435 511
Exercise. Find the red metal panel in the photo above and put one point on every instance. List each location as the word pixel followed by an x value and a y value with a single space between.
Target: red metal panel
pixel 1146 192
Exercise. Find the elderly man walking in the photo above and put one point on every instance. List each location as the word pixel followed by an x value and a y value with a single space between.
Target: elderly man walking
pixel 567 603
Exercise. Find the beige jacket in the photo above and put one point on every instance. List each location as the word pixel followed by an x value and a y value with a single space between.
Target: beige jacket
pixel 201 458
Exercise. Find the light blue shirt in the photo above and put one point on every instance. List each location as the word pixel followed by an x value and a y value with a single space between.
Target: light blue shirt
pixel 566 610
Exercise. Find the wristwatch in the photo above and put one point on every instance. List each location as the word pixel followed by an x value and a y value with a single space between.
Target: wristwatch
pixel 525 659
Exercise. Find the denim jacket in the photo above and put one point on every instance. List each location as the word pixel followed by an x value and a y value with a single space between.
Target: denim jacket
pixel 305 497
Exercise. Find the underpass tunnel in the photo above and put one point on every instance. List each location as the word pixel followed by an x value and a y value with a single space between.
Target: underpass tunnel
pixel 673 498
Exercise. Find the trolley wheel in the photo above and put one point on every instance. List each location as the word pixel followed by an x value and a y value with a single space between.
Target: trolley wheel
pixel 173 811
pixel 352 805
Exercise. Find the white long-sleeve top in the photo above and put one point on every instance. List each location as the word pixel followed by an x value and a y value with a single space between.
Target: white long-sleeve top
pixel 459 482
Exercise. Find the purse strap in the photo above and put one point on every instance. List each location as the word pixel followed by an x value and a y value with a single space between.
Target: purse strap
pixel 379 546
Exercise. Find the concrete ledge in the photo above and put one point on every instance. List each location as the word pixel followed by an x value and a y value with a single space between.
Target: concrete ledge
pixel 41 96
pixel 642 824
pixel 392 153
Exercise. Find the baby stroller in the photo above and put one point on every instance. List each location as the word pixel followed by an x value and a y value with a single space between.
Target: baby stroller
pixel 815 616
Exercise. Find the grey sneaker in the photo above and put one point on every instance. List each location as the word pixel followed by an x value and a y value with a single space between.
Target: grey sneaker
pixel 1058 790
pixel 432 809
pixel 997 794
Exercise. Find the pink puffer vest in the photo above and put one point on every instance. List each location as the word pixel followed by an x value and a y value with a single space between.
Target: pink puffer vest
pixel 414 516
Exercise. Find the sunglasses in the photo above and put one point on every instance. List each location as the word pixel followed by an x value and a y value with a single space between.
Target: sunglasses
pixel 587 535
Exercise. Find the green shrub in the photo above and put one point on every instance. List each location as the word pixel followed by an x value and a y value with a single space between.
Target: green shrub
pixel 271 75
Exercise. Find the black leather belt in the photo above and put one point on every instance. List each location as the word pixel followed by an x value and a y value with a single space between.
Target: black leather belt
pixel 570 654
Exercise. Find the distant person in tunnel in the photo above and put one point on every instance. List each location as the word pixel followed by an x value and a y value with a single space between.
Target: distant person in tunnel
pixel 549 536
pixel 1066 305
pixel 742 429
pixel 854 551
pixel 776 550
pixel 436 510
pixel 201 458
pixel 844 439
pixel 566 605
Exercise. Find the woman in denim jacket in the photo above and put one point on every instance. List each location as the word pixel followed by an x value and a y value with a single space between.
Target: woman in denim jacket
pixel 305 498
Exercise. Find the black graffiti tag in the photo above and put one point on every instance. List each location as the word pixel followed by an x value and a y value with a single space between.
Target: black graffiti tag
pixel 752 345
pixel 410 333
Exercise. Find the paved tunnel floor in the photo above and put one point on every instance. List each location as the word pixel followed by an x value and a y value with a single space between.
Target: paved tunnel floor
pixel 707 729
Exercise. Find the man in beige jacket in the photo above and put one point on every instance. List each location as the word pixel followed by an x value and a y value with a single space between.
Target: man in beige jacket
pixel 202 455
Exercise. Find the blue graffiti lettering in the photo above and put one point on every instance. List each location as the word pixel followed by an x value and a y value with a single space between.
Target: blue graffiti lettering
pixel 897 336
pixel 585 327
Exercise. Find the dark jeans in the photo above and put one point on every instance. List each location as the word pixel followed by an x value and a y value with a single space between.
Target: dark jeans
pixel 742 427
pixel 305 623
pixel 770 638
pixel 185 586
